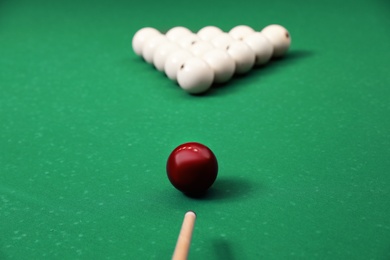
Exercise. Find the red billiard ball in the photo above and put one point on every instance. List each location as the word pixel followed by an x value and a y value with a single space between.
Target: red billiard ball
pixel 192 168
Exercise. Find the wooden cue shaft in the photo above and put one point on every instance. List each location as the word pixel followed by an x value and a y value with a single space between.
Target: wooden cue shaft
pixel 184 240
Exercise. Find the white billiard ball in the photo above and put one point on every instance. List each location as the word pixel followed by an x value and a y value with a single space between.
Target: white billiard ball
pixel 200 47
pixel 151 45
pixel 222 40
pixel 161 54
pixel 186 41
pixel 195 76
pixel 208 32
pixel 243 56
pixel 141 36
pixel 177 32
pixel 240 32
pixel 261 46
pixel 279 37
pixel 223 65
pixel 174 62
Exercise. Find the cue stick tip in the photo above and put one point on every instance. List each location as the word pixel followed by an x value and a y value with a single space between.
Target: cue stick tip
pixel 191 212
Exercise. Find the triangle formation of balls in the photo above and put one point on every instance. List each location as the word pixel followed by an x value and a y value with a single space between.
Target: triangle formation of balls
pixel 196 61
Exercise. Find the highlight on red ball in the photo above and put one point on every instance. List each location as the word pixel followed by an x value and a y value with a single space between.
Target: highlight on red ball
pixel 192 168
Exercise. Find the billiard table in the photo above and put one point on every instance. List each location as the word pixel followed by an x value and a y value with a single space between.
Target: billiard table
pixel 302 143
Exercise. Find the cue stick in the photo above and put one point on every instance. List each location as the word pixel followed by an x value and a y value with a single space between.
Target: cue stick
pixel 184 241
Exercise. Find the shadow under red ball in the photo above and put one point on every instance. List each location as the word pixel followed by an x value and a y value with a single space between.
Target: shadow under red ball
pixel 192 168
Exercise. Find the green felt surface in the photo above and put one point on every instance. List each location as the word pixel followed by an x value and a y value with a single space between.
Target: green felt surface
pixel 86 127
